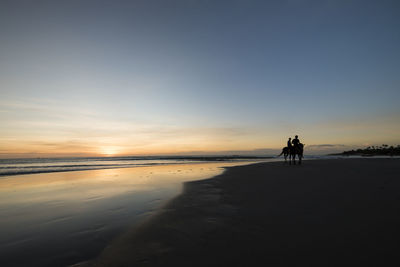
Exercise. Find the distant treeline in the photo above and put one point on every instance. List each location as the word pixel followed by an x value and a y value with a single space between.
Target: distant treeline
pixel 383 150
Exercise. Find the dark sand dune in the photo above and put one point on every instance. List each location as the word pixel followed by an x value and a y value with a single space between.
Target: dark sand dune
pixel 322 213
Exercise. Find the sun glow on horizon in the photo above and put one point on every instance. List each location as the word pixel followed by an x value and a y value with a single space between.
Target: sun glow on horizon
pixel 109 151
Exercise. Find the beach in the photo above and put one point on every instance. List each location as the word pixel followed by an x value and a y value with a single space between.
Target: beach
pixel 157 133
pixel 59 217
pixel 321 213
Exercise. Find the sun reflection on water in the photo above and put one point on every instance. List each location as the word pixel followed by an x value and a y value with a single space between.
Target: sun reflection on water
pixel 82 185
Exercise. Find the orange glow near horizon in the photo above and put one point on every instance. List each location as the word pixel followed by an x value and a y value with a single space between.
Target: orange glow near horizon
pixel 71 134
pixel 254 143
pixel 109 151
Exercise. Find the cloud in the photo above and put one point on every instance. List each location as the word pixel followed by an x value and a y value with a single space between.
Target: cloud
pixel 322 146
pixel 325 148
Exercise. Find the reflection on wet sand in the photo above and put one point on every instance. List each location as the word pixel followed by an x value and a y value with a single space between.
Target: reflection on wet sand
pixel 86 185
pixel 73 215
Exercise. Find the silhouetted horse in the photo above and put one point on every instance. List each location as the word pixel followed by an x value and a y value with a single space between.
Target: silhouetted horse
pixel 296 150
pixel 285 152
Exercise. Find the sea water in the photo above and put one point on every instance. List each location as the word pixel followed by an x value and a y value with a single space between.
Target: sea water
pixel 56 212
pixel 43 165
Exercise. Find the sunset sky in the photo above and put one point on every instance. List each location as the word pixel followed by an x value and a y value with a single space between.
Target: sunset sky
pixel 148 77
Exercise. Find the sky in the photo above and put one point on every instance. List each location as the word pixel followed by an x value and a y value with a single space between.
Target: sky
pixel 107 78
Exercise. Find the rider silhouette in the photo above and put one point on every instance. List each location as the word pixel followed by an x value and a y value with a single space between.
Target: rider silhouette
pixel 289 143
pixel 296 141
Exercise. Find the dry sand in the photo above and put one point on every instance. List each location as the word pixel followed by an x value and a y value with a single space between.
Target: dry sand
pixel 322 213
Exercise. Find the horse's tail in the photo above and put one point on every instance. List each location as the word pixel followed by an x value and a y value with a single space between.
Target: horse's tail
pixel 283 151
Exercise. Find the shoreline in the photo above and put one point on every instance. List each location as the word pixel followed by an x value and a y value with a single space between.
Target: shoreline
pixel 79 213
pixel 75 168
pixel 324 212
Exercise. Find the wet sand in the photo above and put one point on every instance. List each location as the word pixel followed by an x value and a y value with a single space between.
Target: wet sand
pixel 61 218
pixel 322 213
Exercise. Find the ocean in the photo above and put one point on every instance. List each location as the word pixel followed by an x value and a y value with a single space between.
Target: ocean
pixel 62 211
pixel 45 165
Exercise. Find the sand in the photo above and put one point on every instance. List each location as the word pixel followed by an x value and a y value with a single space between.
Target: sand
pixel 322 213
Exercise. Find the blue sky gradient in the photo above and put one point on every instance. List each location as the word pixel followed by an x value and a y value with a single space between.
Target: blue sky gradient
pixel 152 77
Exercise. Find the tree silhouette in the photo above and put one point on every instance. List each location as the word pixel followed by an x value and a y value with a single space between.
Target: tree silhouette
pixel 384 150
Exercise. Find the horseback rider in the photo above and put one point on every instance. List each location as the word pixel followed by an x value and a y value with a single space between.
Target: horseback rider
pixel 296 141
pixel 294 148
pixel 289 143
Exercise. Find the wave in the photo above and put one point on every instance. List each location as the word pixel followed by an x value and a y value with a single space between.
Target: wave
pixel 47 165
